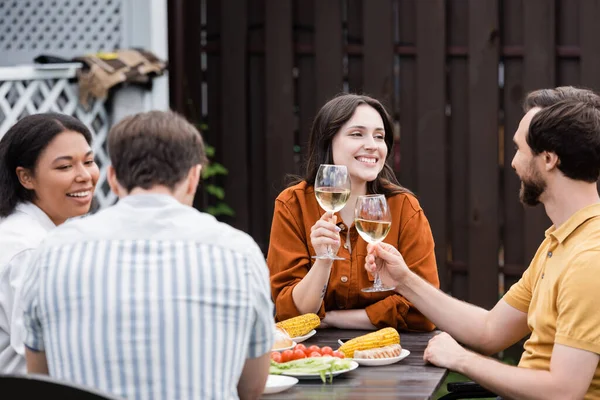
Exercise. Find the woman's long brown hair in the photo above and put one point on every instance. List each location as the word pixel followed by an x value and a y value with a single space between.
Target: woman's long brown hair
pixel 329 120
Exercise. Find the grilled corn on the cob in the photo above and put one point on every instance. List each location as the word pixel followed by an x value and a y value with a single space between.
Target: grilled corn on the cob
pixel 380 338
pixel 300 325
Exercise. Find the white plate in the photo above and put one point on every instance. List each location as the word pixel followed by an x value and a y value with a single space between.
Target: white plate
pixel 300 339
pixel 373 362
pixel 286 348
pixel 353 366
pixel 279 383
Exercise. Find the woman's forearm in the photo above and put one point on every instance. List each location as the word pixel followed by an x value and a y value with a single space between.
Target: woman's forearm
pixel 308 294
pixel 349 319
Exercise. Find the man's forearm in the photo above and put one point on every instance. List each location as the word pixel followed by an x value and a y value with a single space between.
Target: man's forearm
pixel 254 377
pixel 36 362
pixel 465 322
pixel 511 382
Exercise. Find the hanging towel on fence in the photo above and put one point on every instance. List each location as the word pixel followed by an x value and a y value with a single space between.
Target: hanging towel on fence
pixel 103 71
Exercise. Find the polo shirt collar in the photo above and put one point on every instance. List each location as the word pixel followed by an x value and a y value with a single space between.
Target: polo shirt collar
pixel 573 222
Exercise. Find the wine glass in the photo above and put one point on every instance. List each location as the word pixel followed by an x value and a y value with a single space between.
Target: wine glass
pixel 332 190
pixel 373 221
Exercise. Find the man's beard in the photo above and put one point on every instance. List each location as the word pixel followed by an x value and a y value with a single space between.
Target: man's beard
pixel 532 189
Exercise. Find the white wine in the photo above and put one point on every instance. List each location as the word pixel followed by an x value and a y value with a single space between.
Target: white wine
pixel 332 199
pixel 372 231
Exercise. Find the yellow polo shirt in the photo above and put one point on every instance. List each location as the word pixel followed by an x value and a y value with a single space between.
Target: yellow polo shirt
pixel 560 292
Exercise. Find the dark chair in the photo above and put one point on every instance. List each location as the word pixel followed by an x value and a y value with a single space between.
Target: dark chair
pixel 466 390
pixel 45 387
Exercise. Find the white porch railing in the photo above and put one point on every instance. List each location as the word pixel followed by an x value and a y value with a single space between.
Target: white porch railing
pixel 26 90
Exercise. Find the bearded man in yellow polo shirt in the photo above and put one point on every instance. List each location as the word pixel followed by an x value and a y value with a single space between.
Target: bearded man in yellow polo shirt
pixel 558 298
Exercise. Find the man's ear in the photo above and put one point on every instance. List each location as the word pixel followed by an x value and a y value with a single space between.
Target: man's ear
pixel 113 182
pixel 25 177
pixel 551 160
pixel 194 179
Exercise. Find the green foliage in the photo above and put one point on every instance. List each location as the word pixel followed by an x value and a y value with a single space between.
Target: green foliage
pixel 220 209
pixel 214 169
pixel 209 174
pixel 216 191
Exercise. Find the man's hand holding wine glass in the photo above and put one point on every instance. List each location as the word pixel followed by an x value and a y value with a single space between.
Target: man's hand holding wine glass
pixel 387 260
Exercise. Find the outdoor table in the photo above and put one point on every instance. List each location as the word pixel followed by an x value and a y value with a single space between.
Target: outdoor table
pixel 410 378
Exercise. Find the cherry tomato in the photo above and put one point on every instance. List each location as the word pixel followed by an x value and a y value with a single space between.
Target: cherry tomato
pixel 315 354
pixel 326 350
pixel 287 356
pixel 298 354
pixel 300 347
pixel 312 349
pixel 276 356
pixel 338 354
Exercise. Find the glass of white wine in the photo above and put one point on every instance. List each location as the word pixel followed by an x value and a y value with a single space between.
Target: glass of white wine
pixel 332 190
pixel 373 221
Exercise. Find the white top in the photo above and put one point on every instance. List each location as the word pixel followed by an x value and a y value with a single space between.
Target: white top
pixel 149 299
pixel 20 234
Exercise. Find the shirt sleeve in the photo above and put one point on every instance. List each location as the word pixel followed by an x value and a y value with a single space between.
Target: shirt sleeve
pixel 578 321
pixel 32 331
pixel 417 247
pixel 288 260
pixel 11 297
pixel 263 332
pixel 519 294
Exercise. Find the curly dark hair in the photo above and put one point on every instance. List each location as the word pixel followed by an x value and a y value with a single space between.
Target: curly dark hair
pixel 22 145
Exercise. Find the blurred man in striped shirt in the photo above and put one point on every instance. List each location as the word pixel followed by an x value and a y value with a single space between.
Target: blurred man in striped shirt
pixel 150 298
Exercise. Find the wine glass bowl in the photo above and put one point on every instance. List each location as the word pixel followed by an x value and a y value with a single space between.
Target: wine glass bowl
pixel 332 190
pixel 373 221
pixel 332 199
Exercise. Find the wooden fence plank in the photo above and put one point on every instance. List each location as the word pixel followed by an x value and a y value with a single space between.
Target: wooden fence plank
pixel 213 83
pixel 280 97
pixel 407 102
pixel 185 74
pixel 483 152
pixel 431 122
pixel 306 86
pixel 458 85
pixel 514 250
pixel 590 45
pixel 233 106
pixel 260 219
pixel 328 49
pixel 354 38
pixel 176 12
pixel 378 50
pixel 539 72
pixel 567 28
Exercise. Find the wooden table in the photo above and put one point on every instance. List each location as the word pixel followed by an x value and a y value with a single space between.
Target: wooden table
pixel 410 378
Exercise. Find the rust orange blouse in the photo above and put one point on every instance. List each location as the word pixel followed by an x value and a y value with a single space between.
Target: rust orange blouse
pixel 290 251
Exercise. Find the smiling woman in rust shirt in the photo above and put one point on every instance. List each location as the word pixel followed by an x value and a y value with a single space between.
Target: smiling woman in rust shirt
pixel 355 131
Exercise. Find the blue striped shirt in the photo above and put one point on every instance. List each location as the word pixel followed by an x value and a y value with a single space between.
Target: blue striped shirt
pixel 149 299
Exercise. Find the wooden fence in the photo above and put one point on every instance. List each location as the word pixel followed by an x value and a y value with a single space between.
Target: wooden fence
pixel 452 73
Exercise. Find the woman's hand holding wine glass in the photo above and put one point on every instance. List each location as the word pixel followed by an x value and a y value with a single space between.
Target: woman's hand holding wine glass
pixel 324 235
pixel 332 190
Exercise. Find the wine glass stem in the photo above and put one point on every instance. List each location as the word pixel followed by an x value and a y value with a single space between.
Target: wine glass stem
pixel 330 252
pixel 377 281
